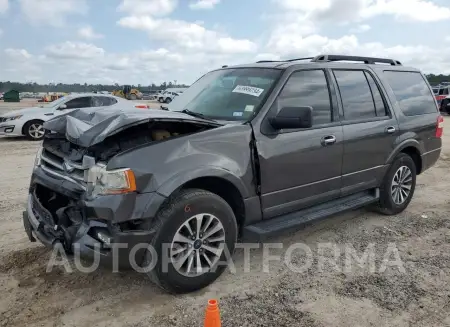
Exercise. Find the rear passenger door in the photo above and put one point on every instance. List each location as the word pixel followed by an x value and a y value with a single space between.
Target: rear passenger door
pixel 370 129
pixel 301 167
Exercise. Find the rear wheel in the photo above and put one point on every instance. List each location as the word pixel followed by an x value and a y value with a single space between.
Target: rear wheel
pixel 194 233
pixel 398 186
pixel 34 130
pixel 168 100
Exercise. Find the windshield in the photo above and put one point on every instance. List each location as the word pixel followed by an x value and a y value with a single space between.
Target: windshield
pixel 55 103
pixel 228 94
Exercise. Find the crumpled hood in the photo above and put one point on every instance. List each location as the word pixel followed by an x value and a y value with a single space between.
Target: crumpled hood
pixel 86 127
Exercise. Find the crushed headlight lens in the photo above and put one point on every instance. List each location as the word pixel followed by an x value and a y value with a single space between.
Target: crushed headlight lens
pixel 112 181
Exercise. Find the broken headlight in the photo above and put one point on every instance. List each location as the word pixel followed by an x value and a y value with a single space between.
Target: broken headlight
pixel 117 181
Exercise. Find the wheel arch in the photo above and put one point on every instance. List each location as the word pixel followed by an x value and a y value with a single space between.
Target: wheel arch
pixel 220 182
pixel 412 148
pixel 25 125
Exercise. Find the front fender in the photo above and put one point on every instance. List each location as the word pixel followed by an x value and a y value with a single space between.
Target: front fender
pixel 185 176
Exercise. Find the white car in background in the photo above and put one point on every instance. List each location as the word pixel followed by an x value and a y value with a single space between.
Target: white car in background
pixel 29 121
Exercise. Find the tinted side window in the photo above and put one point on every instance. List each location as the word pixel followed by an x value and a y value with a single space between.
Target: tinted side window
pixel 412 92
pixel 308 88
pixel 380 107
pixel 83 102
pixel 103 101
pixel 355 94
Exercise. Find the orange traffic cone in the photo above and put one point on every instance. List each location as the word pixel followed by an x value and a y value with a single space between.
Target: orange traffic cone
pixel 212 316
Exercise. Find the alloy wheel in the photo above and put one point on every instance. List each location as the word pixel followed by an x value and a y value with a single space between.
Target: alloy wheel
pixel 401 185
pixel 197 245
pixel 36 131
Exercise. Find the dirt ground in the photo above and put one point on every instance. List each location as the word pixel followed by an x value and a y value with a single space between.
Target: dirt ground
pixel 417 296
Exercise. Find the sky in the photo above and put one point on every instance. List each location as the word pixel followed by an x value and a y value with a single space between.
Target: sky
pixel 151 41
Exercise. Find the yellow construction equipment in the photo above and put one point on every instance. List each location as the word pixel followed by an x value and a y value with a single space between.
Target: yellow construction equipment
pixel 128 93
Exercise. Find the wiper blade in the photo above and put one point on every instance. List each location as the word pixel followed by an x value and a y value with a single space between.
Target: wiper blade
pixel 195 114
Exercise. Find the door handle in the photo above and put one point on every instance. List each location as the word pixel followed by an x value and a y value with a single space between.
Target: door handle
pixel 390 129
pixel 328 140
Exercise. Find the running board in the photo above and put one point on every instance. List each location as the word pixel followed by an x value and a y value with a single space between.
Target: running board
pixel 294 221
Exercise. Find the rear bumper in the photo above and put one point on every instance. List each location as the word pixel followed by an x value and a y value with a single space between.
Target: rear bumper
pixel 430 158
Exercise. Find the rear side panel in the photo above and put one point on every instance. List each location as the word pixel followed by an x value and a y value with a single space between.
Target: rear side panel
pixel 416 111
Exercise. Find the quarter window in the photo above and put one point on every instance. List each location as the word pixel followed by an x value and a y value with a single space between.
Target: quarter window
pixel 412 92
pixel 308 88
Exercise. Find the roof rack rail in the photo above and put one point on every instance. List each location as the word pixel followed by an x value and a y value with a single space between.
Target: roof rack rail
pixel 297 59
pixel 366 60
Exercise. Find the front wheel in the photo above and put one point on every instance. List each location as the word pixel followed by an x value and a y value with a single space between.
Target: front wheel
pixel 195 232
pixel 168 100
pixel 34 130
pixel 398 186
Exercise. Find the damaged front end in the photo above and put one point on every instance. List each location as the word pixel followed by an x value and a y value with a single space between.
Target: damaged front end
pixel 74 200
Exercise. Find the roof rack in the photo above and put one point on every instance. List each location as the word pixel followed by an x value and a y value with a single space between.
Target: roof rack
pixel 297 59
pixel 287 60
pixel 366 60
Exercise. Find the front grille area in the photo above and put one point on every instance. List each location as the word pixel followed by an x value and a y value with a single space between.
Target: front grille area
pixel 56 165
pixel 40 211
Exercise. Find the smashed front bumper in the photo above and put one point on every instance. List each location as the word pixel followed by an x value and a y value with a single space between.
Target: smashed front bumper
pixel 98 234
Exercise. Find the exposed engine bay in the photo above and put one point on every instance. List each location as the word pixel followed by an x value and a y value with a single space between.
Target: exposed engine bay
pixel 127 139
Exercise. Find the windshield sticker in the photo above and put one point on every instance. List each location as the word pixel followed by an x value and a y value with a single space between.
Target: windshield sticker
pixel 250 90
pixel 249 108
pixel 237 114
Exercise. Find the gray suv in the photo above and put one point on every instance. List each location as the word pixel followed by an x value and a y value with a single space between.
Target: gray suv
pixel 245 153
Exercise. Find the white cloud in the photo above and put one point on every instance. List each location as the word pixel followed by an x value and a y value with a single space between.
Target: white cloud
pixel 88 33
pixel 18 54
pixel 148 7
pixel 185 50
pixel 354 10
pixel 52 12
pixel 416 10
pixel 360 28
pixel 203 4
pixel 187 35
pixel 4 5
pixel 74 50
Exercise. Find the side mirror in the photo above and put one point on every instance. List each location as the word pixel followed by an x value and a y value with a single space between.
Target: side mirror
pixel 292 117
pixel 62 107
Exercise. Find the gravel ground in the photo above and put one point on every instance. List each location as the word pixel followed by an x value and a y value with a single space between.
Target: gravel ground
pixel 322 295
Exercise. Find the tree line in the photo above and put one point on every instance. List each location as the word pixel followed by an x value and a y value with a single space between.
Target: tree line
pixel 437 79
pixel 62 87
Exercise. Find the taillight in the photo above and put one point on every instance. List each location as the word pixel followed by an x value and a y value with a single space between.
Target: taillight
pixel 439 126
pixel 142 106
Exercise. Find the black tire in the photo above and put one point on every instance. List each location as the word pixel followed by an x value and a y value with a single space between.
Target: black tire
pixel 168 100
pixel 170 219
pixel 160 100
pixel 387 204
pixel 31 126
